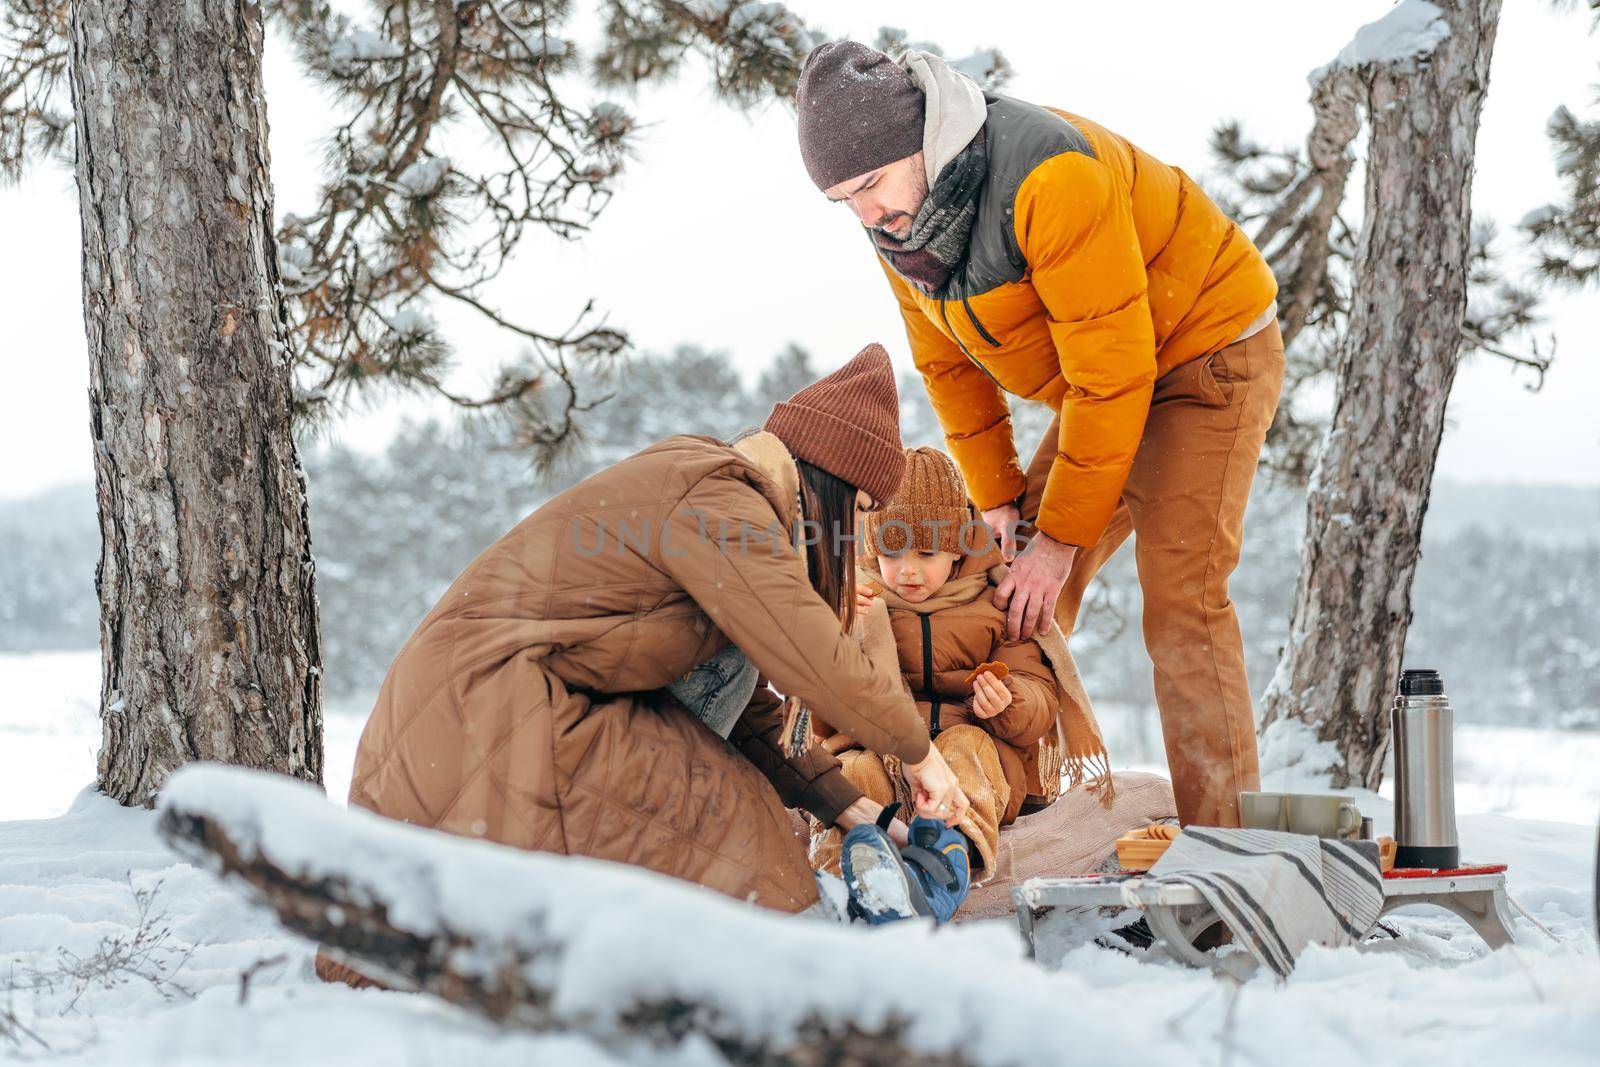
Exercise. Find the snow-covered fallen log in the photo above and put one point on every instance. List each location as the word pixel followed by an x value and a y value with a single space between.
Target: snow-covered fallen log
pixel 619 954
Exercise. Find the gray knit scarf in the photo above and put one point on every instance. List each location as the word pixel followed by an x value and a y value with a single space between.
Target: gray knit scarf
pixel 937 244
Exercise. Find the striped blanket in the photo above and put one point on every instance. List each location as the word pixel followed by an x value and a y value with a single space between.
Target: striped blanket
pixel 1279 892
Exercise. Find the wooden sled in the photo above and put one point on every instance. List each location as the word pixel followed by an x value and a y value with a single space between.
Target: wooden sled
pixel 1178 915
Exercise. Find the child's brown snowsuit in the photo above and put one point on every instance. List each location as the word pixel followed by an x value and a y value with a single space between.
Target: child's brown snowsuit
pixel 1015 756
pixel 936 646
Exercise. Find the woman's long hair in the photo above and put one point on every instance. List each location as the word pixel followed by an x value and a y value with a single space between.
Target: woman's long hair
pixel 830 502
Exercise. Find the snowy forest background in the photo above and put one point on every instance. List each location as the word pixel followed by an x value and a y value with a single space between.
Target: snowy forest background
pixel 1507 597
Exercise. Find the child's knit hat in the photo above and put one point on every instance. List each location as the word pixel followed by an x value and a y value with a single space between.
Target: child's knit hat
pixel 928 512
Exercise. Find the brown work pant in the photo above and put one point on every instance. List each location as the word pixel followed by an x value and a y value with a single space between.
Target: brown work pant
pixel 973 757
pixel 1184 502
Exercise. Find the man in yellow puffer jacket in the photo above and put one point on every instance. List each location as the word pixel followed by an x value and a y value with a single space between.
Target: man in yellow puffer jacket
pixel 1036 254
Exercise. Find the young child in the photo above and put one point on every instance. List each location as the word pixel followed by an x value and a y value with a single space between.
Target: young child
pixel 944 625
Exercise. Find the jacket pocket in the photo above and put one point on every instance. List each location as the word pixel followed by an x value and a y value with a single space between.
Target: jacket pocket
pixel 1197 382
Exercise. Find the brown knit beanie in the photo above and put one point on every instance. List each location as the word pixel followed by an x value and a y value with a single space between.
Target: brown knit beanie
pixel 858 110
pixel 848 424
pixel 928 512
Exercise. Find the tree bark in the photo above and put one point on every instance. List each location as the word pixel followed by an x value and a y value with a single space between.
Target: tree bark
pixel 208 618
pixel 1398 361
pixel 1304 262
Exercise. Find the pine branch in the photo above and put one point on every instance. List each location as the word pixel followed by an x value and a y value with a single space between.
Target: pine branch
pixel 755 50
pixel 35 99
pixel 1537 362
pixel 1565 235
pixel 398 223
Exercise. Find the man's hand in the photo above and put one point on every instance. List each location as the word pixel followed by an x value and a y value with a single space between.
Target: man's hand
pixel 864 810
pixel 1028 594
pixel 989 696
pixel 934 789
pixel 1003 522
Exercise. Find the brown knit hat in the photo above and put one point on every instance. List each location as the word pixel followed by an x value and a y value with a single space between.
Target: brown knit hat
pixel 928 512
pixel 848 424
pixel 858 110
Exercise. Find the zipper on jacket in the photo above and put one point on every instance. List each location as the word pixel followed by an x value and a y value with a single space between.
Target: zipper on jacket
pixel 983 333
pixel 945 315
pixel 927 675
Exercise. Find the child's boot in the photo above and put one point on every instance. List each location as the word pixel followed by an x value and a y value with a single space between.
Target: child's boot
pixel 930 876
pixel 939 857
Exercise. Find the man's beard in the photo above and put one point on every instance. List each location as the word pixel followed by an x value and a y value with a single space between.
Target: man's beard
pixel 936 242
pixel 887 228
pixel 921 193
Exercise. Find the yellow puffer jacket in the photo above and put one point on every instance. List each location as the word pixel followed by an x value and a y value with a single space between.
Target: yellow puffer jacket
pixel 1093 269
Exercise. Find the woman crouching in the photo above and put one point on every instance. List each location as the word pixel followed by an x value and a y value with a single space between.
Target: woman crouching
pixel 595 683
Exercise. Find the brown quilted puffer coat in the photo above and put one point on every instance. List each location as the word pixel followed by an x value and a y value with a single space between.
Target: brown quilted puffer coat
pixel 527 708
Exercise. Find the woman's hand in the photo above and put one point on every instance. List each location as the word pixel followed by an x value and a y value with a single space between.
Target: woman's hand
pixel 864 810
pixel 934 789
pixel 989 696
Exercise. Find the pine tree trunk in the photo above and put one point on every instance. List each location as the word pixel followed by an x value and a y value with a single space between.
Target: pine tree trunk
pixel 1398 361
pixel 208 618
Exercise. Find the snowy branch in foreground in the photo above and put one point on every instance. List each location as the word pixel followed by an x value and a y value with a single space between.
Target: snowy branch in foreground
pixel 620 954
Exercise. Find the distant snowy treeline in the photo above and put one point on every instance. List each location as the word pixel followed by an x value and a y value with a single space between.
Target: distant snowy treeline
pixel 1506 601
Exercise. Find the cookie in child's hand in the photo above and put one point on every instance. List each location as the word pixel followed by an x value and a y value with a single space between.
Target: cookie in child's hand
pixel 872 588
pixel 994 667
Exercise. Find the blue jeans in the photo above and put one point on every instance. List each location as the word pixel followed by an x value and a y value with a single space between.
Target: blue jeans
pixel 717 691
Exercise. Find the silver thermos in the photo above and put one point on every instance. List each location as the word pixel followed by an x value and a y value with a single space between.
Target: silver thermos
pixel 1424 774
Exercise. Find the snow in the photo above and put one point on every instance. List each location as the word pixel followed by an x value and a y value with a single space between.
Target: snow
pixel 50 732
pixel 67 880
pixel 294 260
pixel 609 120
pixel 424 176
pixel 1291 745
pixel 771 25
pixel 361 46
pixel 65 885
pixel 1412 28
pixel 410 323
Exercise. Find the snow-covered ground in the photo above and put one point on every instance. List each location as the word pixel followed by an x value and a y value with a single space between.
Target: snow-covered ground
pixel 50 732
pixel 115 952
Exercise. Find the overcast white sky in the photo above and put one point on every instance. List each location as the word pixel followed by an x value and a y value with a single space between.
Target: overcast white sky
pixel 718 237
